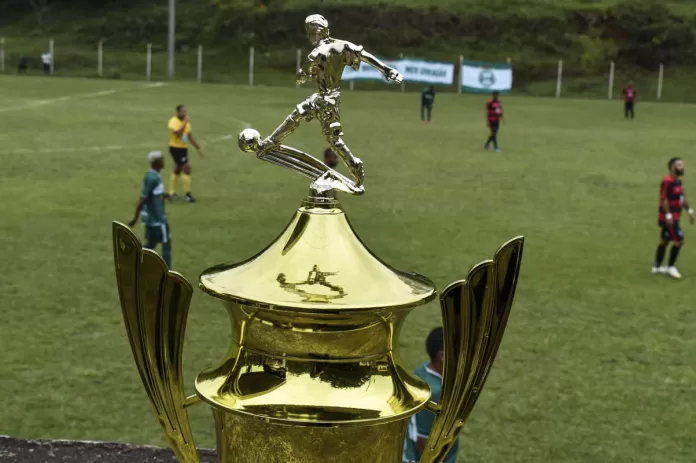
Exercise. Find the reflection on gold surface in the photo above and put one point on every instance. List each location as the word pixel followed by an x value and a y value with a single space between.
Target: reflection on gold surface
pixel 315 277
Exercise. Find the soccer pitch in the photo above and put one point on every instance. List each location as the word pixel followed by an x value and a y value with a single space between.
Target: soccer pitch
pixel 597 362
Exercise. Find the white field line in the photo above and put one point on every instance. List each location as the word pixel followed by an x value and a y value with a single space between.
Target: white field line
pixel 101 148
pixel 111 91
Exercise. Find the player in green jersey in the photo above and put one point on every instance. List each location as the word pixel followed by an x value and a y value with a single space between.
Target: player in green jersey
pixel 420 425
pixel 150 208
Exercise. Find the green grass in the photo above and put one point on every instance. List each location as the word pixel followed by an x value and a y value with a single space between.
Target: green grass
pixel 596 365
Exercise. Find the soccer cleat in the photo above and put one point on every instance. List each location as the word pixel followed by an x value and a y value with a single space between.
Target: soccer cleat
pixel 190 198
pixel 673 272
pixel 497 150
pixel 485 147
pixel 174 197
pixel 659 270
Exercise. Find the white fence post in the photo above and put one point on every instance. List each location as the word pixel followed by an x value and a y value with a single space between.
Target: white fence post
pixel 148 63
pixel 611 80
pixel 403 82
pixel 458 83
pixel 251 66
pixel 51 49
pixel 298 64
pixel 351 86
pixel 171 40
pixel 200 64
pixel 660 77
pixel 100 58
pixel 559 79
pixel 2 55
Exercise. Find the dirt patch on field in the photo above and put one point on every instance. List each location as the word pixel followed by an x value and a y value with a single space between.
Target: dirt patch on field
pixel 47 451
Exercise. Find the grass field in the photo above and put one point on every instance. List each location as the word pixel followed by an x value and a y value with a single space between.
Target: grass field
pixel 597 363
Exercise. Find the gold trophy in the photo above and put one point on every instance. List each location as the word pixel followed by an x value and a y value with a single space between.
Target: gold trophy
pixel 313 373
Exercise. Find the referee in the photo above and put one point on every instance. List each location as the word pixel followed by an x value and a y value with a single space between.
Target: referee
pixel 180 135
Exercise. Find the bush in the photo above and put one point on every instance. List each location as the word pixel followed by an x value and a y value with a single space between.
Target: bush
pixel 652 34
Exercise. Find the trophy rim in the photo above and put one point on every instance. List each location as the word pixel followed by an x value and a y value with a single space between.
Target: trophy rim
pixel 319 423
pixel 419 405
pixel 316 308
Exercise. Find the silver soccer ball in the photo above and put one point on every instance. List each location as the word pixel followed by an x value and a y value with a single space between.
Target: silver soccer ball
pixel 249 140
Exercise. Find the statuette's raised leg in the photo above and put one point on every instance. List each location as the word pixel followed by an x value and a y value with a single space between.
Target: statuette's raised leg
pixel 354 164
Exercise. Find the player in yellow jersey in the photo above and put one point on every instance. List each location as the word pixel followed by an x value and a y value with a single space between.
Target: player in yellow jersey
pixel 180 135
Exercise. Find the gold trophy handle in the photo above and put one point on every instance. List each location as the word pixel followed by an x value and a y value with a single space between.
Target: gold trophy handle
pixel 155 304
pixel 475 313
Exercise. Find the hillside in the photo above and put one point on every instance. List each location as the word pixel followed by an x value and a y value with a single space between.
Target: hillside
pixel 638 35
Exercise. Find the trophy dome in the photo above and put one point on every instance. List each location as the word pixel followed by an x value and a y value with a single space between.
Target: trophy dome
pixel 317 263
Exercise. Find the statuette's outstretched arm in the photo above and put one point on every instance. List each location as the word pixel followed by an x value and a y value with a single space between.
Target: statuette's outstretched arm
pixel 389 72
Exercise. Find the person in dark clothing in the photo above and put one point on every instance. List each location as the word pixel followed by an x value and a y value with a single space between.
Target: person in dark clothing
pixel 494 114
pixel 427 100
pixel 672 203
pixel 629 94
pixel 23 65
pixel 330 158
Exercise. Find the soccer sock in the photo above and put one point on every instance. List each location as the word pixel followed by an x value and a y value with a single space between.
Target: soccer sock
pixel 490 139
pixel 674 253
pixel 173 180
pixel 167 253
pixel 495 140
pixel 186 180
pixel 660 255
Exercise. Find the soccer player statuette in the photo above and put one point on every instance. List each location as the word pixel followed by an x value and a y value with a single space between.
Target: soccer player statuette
pixel 313 373
pixel 325 64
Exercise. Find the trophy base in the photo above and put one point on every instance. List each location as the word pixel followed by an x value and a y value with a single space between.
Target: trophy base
pixel 245 439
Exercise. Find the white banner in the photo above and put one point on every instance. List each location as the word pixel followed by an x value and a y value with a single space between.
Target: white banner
pixel 412 70
pixel 426 72
pixel 486 77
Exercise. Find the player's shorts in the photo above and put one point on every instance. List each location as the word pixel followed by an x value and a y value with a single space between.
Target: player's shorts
pixel 629 104
pixel 671 233
pixel 494 125
pixel 180 155
pixel 321 106
pixel 157 234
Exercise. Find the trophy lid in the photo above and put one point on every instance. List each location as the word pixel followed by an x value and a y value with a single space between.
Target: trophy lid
pixel 318 263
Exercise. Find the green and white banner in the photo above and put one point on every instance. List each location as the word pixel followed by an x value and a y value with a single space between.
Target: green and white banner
pixel 480 77
pixel 413 70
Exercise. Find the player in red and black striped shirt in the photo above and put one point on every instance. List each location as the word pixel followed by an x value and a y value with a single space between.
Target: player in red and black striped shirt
pixel 494 114
pixel 629 100
pixel 672 201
